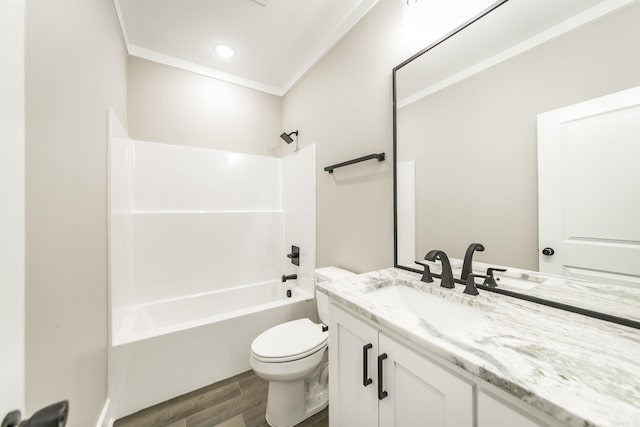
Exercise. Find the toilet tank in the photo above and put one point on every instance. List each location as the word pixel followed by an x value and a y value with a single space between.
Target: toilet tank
pixel 327 274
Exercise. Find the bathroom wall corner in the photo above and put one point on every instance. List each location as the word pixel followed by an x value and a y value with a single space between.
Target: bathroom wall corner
pixel 299 206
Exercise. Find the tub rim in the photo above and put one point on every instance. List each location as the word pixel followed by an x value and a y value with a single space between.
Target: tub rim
pixel 124 335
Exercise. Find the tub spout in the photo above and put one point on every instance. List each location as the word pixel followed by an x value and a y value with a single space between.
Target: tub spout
pixel 284 278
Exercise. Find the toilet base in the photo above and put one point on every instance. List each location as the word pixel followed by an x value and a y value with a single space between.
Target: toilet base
pixel 289 403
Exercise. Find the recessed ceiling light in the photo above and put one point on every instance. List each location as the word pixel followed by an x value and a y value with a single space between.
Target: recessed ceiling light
pixel 224 51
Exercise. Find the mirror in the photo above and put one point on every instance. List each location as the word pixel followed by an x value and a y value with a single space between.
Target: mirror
pixel 466 132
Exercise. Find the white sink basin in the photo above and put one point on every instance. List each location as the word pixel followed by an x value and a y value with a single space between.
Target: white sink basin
pixel 444 315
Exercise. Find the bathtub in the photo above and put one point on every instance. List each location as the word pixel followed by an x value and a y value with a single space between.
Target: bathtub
pixel 163 349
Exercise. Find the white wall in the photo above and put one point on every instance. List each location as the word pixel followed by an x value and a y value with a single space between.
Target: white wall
pixel 12 307
pixel 343 104
pixel 189 220
pixel 299 208
pixel 75 69
pixel 173 106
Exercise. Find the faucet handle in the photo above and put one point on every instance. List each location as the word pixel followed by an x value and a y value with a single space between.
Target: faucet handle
pixel 294 256
pixel 471 289
pixel 426 274
pixel 490 279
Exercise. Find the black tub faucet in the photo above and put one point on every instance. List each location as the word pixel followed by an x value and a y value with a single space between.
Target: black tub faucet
pixel 467 265
pixel 446 277
pixel 284 278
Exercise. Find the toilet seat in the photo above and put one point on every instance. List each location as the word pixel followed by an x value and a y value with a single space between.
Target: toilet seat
pixel 289 341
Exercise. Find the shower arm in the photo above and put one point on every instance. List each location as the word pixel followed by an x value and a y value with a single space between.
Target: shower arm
pixel 286 137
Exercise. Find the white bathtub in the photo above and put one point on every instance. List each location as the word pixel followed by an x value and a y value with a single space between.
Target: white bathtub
pixel 162 317
pixel 167 348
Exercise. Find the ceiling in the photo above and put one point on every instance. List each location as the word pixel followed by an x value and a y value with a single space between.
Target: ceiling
pixel 274 44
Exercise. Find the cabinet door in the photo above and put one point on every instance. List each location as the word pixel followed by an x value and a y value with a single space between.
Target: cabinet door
pixel 492 412
pixel 352 403
pixel 420 393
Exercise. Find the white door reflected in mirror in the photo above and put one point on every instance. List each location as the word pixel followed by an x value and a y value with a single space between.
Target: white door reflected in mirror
pixel 589 189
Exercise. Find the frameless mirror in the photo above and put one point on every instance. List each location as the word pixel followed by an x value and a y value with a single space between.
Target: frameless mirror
pixel 473 114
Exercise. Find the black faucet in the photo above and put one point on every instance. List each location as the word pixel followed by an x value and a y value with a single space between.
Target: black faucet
pixel 426 274
pixel 490 278
pixel 446 277
pixel 288 277
pixel 471 289
pixel 467 265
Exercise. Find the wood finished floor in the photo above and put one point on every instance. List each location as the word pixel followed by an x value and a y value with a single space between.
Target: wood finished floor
pixel 239 401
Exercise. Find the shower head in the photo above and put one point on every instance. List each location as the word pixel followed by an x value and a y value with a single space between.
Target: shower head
pixel 287 136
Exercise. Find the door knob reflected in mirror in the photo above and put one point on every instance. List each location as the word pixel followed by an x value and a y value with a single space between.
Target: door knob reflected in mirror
pixel 548 251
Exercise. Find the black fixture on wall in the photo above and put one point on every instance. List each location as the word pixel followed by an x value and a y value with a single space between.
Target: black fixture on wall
pixel 287 136
pixel 380 157
pixel 286 277
pixel 294 256
pixel 288 139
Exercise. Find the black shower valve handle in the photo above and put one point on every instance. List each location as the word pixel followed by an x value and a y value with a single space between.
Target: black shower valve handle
pixel 294 255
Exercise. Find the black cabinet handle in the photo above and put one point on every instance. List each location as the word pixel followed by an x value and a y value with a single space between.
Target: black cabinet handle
pixel 365 364
pixel 381 393
pixel 548 251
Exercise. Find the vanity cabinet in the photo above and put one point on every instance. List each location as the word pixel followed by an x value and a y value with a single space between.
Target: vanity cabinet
pixel 377 381
pixel 494 412
pixel 352 402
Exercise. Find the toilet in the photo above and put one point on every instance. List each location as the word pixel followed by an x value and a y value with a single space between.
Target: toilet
pixel 294 358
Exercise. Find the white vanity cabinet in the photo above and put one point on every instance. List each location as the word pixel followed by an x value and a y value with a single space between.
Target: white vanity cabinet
pixel 419 392
pixel 352 402
pixel 493 412
pixel 377 381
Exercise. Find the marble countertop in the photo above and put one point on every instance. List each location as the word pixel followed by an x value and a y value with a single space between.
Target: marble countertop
pixel 581 371
pixel 616 300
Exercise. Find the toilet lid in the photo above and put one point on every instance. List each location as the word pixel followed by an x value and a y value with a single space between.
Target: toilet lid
pixel 289 339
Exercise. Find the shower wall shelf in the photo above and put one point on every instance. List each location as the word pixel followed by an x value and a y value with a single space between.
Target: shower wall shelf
pixel 379 156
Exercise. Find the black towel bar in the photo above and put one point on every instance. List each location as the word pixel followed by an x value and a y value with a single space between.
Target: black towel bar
pixel 379 156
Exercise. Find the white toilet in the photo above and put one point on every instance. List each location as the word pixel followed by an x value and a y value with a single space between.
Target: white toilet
pixel 293 357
